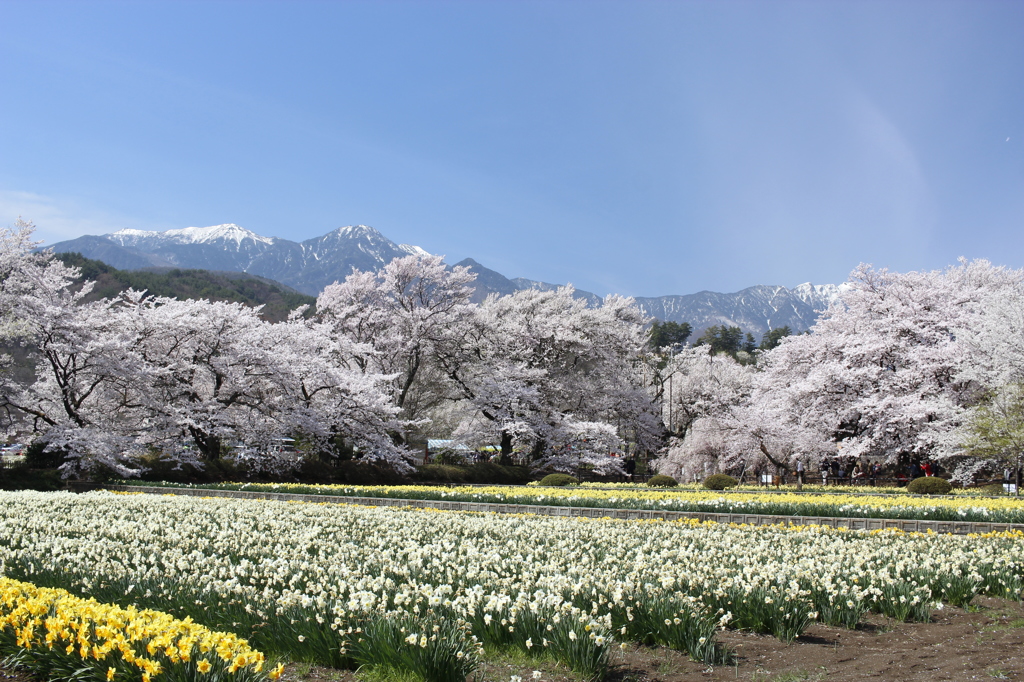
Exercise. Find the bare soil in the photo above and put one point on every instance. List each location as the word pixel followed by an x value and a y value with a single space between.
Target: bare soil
pixel 983 643
pixel 986 642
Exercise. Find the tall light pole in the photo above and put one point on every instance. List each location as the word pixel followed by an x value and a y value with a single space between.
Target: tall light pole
pixel 670 405
pixel 672 350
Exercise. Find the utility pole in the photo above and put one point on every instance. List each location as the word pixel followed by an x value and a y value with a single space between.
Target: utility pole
pixel 1017 486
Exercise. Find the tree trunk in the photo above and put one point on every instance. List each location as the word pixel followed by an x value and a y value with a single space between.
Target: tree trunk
pixel 208 444
pixel 778 465
pixel 505 458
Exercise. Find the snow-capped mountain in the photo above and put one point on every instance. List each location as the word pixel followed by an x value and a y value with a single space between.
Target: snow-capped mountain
pixel 311 265
pixel 219 247
pixel 308 266
pixel 215 234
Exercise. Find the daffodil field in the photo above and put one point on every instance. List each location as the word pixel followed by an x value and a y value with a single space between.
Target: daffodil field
pixel 59 636
pixel 903 506
pixel 430 593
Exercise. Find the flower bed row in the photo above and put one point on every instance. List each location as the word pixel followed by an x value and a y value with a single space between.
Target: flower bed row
pixel 428 592
pixel 836 505
pixel 56 635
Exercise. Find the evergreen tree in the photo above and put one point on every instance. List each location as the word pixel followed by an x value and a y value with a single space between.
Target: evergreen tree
pixel 773 337
pixel 668 334
pixel 722 339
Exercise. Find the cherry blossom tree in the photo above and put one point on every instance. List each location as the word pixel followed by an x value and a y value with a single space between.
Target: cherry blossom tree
pixel 405 317
pixel 578 444
pixel 191 378
pixel 995 339
pixel 883 373
pixel 326 398
pixel 214 377
pixel 696 383
pixel 991 432
pixel 84 388
pixel 552 370
pixel 20 269
pixel 16 257
pixel 755 432
pixel 880 372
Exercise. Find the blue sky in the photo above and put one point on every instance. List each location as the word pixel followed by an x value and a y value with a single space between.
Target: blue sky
pixel 644 148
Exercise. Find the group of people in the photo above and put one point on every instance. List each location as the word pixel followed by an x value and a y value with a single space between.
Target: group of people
pixel 839 470
pixel 925 468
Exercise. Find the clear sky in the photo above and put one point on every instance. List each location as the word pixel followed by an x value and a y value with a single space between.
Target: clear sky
pixel 644 148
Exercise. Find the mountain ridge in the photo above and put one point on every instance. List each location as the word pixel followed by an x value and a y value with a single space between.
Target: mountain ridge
pixel 312 264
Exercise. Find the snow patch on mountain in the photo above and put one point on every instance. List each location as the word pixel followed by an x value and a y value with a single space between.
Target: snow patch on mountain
pixel 228 232
pixel 754 309
pixel 128 233
pixel 413 250
pixel 815 294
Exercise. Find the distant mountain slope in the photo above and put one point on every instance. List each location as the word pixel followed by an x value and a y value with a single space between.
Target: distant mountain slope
pixel 220 247
pixel 277 300
pixel 491 282
pixel 755 309
pixel 488 281
pixel 110 252
pixel 311 265
pixel 523 283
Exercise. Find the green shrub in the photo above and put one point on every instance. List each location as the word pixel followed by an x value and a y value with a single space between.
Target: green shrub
pixel 720 482
pixel 929 485
pixel 38 457
pixel 484 472
pixel 23 478
pixel 661 481
pixel 558 480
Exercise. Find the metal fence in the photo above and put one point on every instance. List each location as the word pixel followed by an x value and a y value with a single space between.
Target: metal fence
pixel 12 461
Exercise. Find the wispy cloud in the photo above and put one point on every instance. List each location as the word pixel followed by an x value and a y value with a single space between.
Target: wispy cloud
pixel 58 218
